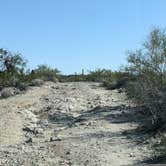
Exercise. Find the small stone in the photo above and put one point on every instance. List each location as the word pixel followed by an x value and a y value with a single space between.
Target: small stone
pixel 55 139
pixel 68 152
pixel 39 130
pixel 70 163
pixel 46 99
pixel 29 140
pixel 44 123
pixel 55 87
pixel 131 155
pixel 27 129
pixel 89 124
pixel 128 137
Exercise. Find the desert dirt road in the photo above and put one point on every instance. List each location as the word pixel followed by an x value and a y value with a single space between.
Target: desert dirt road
pixel 79 124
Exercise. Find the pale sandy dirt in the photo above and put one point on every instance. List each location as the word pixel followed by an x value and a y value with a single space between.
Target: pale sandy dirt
pixel 69 124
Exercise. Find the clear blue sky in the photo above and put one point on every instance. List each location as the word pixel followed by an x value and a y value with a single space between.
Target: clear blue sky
pixel 76 34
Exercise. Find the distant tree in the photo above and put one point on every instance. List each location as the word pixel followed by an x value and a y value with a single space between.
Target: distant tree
pixel 11 68
pixel 10 62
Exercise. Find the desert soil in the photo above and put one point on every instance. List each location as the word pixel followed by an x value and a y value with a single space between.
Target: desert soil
pixel 79 124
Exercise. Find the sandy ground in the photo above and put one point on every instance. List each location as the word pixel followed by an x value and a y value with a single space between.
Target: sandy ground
pixel 69 124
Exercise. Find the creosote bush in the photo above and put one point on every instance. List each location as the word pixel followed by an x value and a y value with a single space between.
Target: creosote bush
pixel 117 80
pixel 45 73
pixel 148 66
pixel 11 68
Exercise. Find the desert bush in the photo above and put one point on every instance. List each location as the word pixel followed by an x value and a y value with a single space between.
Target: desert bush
pixel 45 73
pixel 148 66
pixel 22 86
pixel 117 80
pixel 73 78
pixel 108 78
pixel 11 68
pixel 99 75
pixel 11 62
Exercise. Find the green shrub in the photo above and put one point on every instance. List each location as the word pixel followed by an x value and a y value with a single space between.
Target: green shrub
pixel 117 80
pixel 11 68
pixel 45 73
pixel 148 66
pixel 98 75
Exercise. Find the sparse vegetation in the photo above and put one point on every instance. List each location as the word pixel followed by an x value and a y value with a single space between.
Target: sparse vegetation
pixel 109 79
pixel 148 65
pixel 144 78
pixel 98 75
pixel 117 80
pixel 13 74
pixel 11 69
pixel 45 73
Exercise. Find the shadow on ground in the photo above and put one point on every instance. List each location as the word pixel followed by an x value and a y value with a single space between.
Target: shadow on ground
pixel 116 115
